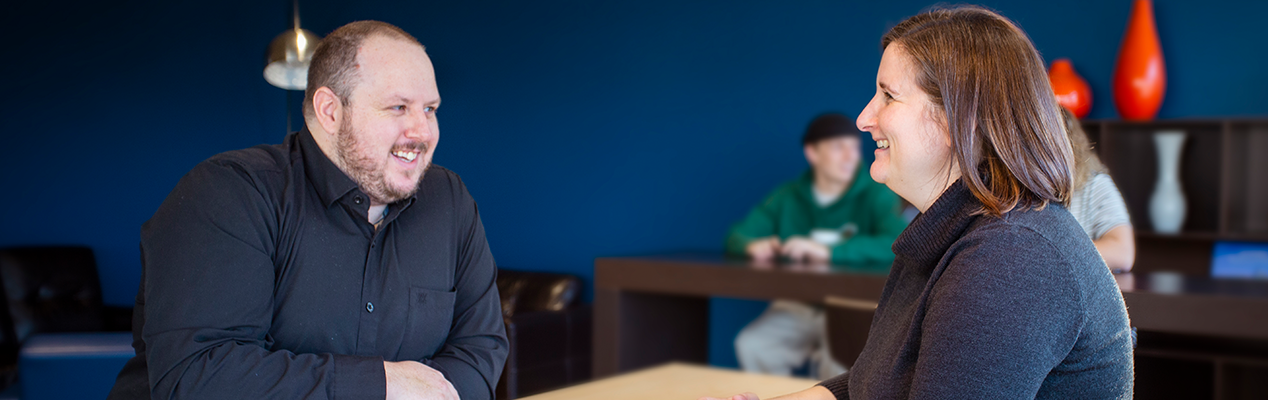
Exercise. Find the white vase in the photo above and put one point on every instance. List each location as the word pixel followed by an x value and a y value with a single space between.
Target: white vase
pixel 1167 205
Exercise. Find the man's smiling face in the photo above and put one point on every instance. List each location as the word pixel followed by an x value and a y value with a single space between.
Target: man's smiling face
pixel 389 130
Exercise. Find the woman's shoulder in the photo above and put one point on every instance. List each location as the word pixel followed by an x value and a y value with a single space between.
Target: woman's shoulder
pixel 1052 223
pixel 1043 241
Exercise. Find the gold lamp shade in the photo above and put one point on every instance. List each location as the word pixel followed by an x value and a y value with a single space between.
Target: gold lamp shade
pixel 288 58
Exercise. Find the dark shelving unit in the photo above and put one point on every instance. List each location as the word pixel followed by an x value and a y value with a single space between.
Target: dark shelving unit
pixel 1224 175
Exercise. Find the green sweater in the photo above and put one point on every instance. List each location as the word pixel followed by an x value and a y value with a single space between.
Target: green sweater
pixel 792 211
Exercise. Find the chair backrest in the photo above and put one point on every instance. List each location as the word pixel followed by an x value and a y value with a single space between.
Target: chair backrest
pixel 848 321
pixel 524 291
pixel 50 289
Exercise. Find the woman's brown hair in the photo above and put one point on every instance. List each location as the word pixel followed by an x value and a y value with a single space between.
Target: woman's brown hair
pixel 988 80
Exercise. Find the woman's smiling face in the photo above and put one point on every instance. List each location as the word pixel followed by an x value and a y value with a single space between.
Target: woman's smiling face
pixel 913 155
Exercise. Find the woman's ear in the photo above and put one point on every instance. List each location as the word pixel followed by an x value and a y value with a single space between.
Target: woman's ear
pixel 940 117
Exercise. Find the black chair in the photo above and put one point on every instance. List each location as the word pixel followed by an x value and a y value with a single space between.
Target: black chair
pixel 549 334
pixel 848 321
pixel 52 289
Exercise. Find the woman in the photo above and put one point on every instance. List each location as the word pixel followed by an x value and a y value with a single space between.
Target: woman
pixel 1097 203
pixel 995 292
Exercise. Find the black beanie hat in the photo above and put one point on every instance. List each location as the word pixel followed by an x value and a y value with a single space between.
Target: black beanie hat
pixel 828 126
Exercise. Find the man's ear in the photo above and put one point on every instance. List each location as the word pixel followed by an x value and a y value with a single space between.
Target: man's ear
pixel 327 109
pixel 812 156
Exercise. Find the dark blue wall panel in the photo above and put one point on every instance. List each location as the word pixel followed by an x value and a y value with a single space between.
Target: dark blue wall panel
pixel 583 128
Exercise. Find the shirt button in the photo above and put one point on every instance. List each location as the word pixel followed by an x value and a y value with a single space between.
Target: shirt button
pixel 358 200
pixel 369 307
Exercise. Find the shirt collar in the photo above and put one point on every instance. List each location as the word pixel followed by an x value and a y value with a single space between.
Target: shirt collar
pixel 330 181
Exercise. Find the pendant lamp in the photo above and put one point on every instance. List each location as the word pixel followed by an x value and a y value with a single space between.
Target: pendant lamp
pixel 288 56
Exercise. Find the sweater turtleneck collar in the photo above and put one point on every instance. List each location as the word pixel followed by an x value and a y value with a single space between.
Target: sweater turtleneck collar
pixel 933 231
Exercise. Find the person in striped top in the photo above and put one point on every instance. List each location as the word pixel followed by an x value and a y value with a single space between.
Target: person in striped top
pixel 1097 203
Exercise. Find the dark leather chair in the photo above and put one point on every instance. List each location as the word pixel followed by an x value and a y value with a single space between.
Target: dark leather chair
pixel 549 334
pixel 50 291
pixel 848 321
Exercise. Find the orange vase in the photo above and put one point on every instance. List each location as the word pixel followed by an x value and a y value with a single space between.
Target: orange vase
pixel 1140 79
pixel 1072 91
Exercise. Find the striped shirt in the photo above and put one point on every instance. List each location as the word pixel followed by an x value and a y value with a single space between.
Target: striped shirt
pixel 1099 207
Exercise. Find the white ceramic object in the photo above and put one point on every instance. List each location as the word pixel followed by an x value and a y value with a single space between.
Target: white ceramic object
pixel 1167 205
pixel 1166 282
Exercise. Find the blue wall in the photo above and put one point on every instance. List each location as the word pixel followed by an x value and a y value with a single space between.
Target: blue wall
pixel 583 128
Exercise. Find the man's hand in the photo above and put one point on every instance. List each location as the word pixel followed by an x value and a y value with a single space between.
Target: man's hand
pixel 763 249
pixel 410 380
pixel 741 396
pixel 802 248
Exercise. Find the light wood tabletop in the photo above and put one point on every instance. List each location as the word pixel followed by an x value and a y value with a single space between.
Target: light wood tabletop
pixel 679 381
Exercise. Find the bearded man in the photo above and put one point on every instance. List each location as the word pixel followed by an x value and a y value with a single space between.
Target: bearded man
pixel 337 265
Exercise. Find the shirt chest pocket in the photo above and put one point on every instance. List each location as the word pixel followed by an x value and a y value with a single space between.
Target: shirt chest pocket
pixel 428 323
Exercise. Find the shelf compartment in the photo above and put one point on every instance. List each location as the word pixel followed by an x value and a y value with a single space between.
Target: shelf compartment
pixel 1241 381
pixel 1176 366
pixel 1246 179
pixel 1189 254
pixel 1128 151
pixel 1207 236
pixel 1173 378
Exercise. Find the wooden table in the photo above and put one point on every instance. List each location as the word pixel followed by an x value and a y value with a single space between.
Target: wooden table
pixel 679 381
pixel 655 309
pixel 1173 303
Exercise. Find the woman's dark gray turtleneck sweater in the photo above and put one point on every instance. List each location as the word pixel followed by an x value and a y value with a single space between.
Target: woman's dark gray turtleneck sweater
pixel 1011 307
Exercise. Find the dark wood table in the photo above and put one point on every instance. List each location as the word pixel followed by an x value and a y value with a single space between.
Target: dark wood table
pixel 654 309
pixel 1174 303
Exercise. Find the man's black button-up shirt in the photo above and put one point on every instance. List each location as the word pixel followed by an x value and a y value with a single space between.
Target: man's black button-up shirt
pixel 263 279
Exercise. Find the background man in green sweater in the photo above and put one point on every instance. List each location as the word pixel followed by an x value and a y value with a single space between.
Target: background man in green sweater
pixel 834 212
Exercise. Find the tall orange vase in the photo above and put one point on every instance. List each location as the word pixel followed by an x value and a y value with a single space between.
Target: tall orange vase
pixel 1072 91
pixel 1140 78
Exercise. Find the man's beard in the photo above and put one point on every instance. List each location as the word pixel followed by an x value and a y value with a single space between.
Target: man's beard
pixel 366 168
